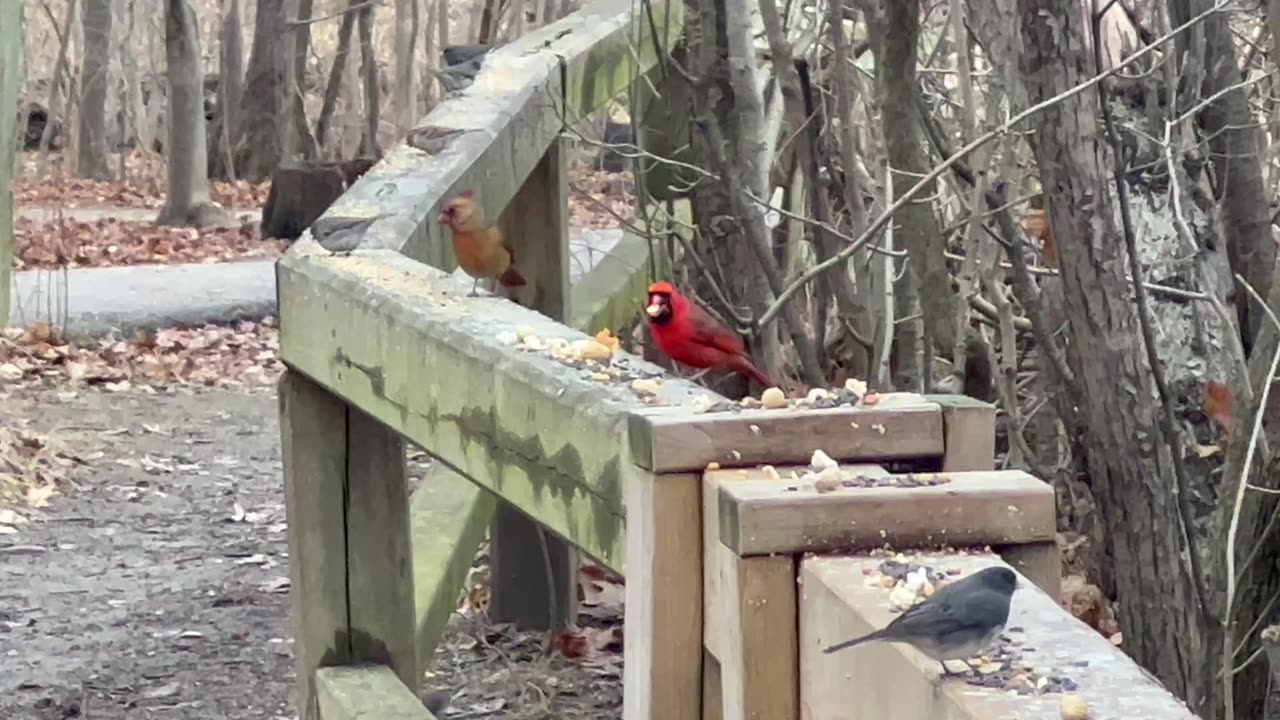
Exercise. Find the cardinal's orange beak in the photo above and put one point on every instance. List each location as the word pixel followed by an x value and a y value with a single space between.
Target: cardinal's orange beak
pixel 654 309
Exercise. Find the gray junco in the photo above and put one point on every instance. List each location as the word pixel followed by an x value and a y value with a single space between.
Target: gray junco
pixel 954 623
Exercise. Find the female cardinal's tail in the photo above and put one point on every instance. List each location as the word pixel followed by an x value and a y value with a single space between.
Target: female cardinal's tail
pixel 742 365
pixel 511 278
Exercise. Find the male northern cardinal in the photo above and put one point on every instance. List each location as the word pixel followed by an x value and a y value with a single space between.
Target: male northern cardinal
pixel 690 336
pixel 480 249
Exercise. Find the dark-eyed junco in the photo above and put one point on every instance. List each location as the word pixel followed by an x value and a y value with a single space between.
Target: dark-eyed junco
pixel 954 623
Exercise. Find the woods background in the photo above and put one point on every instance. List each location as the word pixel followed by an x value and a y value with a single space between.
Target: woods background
pixel 1068 209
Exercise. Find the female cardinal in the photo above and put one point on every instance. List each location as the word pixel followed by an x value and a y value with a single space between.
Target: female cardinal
pixel 689 335
pixel 480 249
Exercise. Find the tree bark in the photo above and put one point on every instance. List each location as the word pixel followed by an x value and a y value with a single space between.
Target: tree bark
pixel 230 90
pixel 406 91
pixel 1129 454
pixel 1234 142
pixel 188 200
pixel 333 88
pixel 304 141
pixel 55 83
pixel 92 161
pixel 264 137
pixel 369 71
pixel 917 227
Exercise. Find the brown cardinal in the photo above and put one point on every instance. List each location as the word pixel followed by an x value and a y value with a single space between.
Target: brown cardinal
pixel 480 249
pixel 689 335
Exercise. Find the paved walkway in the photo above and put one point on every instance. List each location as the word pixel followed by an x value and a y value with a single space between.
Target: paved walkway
pixel 93 302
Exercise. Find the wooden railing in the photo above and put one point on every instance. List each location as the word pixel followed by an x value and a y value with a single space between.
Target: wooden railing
pixel 383 348
pixel 712 517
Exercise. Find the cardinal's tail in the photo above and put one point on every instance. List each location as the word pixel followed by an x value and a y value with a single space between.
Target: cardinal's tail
pixel 744 366
pixel 511 278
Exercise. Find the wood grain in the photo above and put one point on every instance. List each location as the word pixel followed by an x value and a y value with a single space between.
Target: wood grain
pixel 676 439
pixel 663 651
pixel 313 429
pixel 749 623
pixel 364 692
pixel 760 517
pixel 522 552
pixel 969 431
pixel 379 549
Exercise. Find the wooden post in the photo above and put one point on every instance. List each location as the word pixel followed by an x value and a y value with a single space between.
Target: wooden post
pixel 520 550
pixel 970 439
pixel 347 502
pixel 10 77
pixel 663 649
pixel 749 619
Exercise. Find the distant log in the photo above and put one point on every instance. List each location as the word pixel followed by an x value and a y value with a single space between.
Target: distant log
pixel 301 192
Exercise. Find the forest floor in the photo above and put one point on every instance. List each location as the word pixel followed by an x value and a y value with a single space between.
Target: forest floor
pixel 144 570
pixel 143 556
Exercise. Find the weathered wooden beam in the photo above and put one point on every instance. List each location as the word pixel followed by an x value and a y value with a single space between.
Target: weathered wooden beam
pixel 400 341
pixel 491 137
pixel 616 45
pixel 366 691
pixel 892 680
pixel 676 439
pixel 749 626
pixel 345 492
pixel 10 87
pixel 663 652
pixel 534 581
pixel 449 516
pixel 969 431
pixel 761 515
pixel 313 429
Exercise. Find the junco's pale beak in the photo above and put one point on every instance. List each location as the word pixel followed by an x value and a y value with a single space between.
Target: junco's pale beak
pixel 654 310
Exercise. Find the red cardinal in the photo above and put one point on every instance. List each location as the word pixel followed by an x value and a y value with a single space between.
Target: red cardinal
pixel 689 335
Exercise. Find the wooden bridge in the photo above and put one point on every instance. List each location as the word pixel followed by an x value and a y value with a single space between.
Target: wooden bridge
pixel 710 516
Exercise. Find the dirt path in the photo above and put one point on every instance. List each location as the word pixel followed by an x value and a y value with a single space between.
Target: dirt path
pixel 141 597
pixel 157 588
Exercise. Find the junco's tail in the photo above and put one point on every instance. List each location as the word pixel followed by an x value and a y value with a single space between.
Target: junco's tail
pixel 869 637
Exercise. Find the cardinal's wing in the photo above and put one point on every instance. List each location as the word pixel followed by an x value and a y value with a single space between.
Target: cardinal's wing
pixel 706 330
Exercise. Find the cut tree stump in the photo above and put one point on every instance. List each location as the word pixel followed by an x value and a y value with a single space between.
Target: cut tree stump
pixel 301 192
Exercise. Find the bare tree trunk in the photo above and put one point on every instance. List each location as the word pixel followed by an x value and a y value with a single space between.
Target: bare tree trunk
pixel 333 88
pixel 917 227
pixel 92 161
pixel 369 69
pixel 230 89
pixel 305 142
pixel 1233 137
pixel 1134 470
pixel 188 201
pixel 431 55
pixel 55 83
pixel 406 91
pixel 264 137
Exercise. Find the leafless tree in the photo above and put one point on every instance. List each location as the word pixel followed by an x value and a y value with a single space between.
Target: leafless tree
pixel 188 200
pixel 92 160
